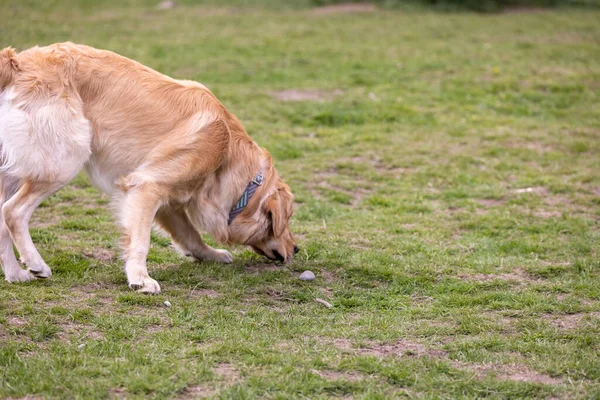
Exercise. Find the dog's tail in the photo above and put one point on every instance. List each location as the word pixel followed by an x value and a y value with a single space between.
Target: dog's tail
pixel 9 66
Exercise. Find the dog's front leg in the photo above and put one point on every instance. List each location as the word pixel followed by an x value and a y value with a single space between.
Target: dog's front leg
pixel 137 213
pixel 186 238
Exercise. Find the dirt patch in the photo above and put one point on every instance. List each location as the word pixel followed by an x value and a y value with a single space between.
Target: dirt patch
pixel 538 147
pixel 16 321
pixel 337 375
pixel 342 344
pixel 327 276
pixel 407 348
pixel 524 10
pixel 421 300
pixel 557 200
pixel 71 331
pixel 570 321
pixel 401 348
pixel 95 335
pixel 490 202
pixel 25 398
pixel 196 293
pixel 227 372
pixel 547 214
pixel 510 372
pixel 258 268
pixel 100 254
pixel 95 286
pixel 165 5
pixel 518 275
pixel 344 8
pixel 117 393
pixel 196 392
pixel 304 95
pixel 379 165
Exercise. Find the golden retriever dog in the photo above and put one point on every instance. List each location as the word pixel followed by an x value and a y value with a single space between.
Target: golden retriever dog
pixel 167 151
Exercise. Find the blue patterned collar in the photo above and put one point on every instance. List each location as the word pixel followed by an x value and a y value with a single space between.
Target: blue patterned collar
pixel 246 196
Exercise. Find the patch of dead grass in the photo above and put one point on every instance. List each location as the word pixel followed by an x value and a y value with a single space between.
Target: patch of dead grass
pixel 28 397
pixel 344 8
pixel 101 254
pixel 196 392
pixel 524 10
pixel 490 202
pixel 228 373
pixel 70 330
pixel 117 393
pixel 259 268
pixel 199 293
pixel 508 372
pixel 340 375
pixel 16 321
pixel 518 275
pixel 547 214
pixel 400 348
pixel 408 348
pixel 570 321
pixel 305 95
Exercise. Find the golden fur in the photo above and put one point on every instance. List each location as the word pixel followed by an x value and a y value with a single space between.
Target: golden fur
pixel 166 150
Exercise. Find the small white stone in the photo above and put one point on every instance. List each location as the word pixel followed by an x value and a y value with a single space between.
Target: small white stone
pixel 167 303
pixel 81 346
pixel 307 276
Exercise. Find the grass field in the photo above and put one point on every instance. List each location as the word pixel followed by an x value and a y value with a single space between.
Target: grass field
pixel 446 169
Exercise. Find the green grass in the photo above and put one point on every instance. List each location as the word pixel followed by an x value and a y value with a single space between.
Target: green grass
pixel 448 200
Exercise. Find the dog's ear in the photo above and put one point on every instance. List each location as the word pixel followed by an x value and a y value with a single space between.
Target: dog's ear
pixel 278 208
pixel 11 56
pixel 9 65
pixel 275 211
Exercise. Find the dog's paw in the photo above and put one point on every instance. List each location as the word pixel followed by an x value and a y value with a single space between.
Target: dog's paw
pixel 221 256
pixel 39 270
pixel 211 254
pixel 145 285
pixel 20 275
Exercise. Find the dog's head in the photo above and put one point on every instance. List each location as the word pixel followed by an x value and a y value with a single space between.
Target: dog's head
pixel 264 223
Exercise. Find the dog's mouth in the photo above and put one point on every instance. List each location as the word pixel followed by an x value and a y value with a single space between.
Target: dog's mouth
pixel 259 251
pixel 276 255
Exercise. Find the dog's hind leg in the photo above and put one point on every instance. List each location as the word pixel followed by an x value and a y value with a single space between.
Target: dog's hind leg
pixel 17 211
pixel 186 237
pixel 12 270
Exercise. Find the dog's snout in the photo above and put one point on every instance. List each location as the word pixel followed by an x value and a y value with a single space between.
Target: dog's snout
pixel 296 249
pixel 278 256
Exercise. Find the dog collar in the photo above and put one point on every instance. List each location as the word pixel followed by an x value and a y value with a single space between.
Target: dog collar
pixel 246 196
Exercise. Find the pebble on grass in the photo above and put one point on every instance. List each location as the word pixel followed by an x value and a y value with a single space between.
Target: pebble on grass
pixel 307 276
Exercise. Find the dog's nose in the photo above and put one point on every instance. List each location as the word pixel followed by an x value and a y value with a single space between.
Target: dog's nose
pixel 296 249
